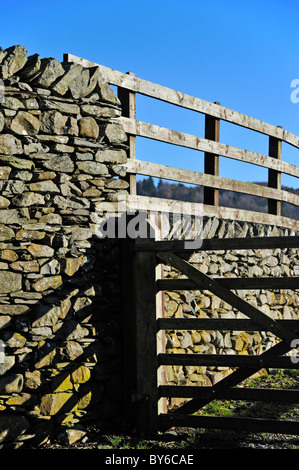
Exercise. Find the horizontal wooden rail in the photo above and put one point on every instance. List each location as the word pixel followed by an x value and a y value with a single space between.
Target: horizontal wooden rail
pixel 193 177
pixel 234 393
pixel 220 324
pixel 233 283
pixel 227 360
pixel 240 424
pixel 211 244
pixel 171 206
pixel 160 92
pixel 162 134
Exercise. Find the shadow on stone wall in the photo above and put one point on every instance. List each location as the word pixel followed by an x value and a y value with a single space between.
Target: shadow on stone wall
pixel 63 362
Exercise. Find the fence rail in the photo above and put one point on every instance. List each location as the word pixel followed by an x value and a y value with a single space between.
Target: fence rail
pixel 129 85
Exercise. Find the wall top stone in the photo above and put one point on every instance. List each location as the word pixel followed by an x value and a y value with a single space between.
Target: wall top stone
pixel 67 80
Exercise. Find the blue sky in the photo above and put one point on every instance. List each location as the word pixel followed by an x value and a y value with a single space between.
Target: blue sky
pixel 242 53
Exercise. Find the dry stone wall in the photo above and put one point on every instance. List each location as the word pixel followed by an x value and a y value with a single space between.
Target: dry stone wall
pixel 61 152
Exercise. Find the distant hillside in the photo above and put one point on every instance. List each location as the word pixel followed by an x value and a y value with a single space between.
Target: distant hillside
pixel 179 191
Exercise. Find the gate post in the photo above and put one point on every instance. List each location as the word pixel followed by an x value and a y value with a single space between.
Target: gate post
pixel 142 306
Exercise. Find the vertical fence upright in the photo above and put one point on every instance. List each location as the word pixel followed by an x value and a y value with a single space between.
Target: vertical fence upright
pixel 211 161
pixel 274 177
pixel 128 104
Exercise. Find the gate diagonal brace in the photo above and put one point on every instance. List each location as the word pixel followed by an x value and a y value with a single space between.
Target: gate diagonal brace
pixel 207 283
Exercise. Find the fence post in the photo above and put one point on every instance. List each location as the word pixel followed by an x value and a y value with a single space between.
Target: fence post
pixel 211 161
pixel 128 103
pixel 274 176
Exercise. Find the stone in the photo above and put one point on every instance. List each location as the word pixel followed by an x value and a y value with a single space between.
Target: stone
pixel 10 282
pixel 40 251
pixel 26 266
pixel 51 219
pixel 87 144
pixel 13 216
pixel 74 434
pixel 14 309
pixel 20 163
pixel 105 92
pixel 61 163
pixel 12 427
pixel 73 350
pixel 53 122
pixel 5 321
pixel 62 106
pixel 79 86
pixel 12 103
pixel 31 103
pixel 88 127
pixel 52 403
pixel 25 234
pixel 100 112
pixel 71 203
pixel 81 375
pixel 71 72
pixel 52 267
pixel 9 362
pixel 52 282
pixel 4 202
pixel 22 399
pixel 70 266
pixel 25 124
pixel 74 330
pixel 46 352
pixel 50 70
pixel 44 187
pixel 115 133
pixel 72 126
pixel 10 145
pixel 81 233
pixel 43 332
pixel 46 315
pixel 92 192
pixel 15 59
pixel 6 233
pixel 117 184
pixel 33 379
pixel 28 199
pixel 13 339
pixel 31 68
pixel 23 175
pixel 8 255
pixel 111 156
pixel 94 74
pixel 92 168
pixel 2 122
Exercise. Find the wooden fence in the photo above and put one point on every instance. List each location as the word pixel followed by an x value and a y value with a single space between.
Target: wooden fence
pixel 145 387
pixel 145 324
pixel 128 85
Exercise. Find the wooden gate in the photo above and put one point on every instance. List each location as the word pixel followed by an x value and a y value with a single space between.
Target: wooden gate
pixel 146 388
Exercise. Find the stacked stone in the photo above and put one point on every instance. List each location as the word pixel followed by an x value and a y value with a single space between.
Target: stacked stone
pixel 278 304
pixel 61 153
